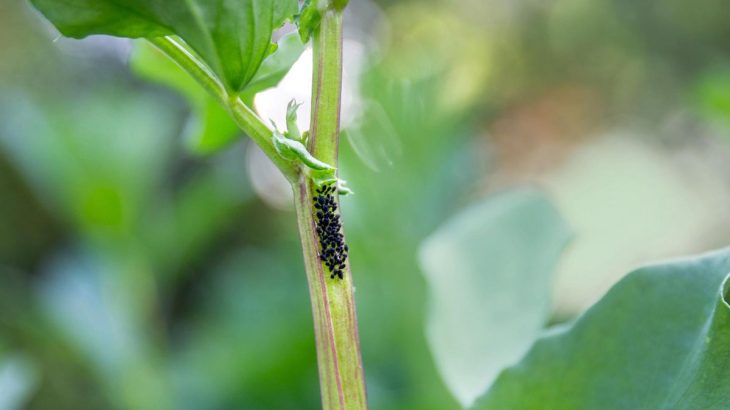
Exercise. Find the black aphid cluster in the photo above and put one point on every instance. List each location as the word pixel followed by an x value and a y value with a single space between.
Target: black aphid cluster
pixel 333 250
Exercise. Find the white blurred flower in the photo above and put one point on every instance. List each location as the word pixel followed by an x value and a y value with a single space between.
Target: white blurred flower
pixel 271 104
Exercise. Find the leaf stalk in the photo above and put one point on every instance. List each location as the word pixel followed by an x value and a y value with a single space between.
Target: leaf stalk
pixel 245 117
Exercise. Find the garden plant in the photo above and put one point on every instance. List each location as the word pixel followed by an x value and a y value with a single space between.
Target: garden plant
pixel 659 339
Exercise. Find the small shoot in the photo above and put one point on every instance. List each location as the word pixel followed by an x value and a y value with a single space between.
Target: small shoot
pixel 296 151
pixel 291 146
pixel 292 129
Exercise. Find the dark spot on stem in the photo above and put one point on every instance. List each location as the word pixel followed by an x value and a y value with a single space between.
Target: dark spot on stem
pixel 333 252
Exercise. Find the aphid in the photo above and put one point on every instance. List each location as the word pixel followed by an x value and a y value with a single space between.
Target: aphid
pixel 333 250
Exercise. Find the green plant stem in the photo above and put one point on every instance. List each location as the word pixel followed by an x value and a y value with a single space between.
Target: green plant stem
pixel 333 304
pixel 245 117
pixel 252 125
pixel 341 376
pixel 326 88
pixel 339 360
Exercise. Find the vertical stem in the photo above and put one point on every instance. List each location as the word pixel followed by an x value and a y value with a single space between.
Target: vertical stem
pixel 326 88
pixel 341 375
pixel 333 303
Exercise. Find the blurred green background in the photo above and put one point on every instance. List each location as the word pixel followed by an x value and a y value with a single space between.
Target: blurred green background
pixel 135 274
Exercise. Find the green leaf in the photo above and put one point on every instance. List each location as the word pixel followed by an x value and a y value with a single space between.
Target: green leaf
pixel 308 19
pixel 489 273
pixel 211 127
pixel 660 339
pixel 232 36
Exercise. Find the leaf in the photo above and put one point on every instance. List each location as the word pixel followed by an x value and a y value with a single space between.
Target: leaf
pixel 489 273
pixel 232 36
pixel 211 128
pixel 308 19
pixel 660 339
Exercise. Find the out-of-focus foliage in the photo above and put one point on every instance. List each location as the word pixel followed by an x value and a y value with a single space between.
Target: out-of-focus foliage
pixel 489 273
pixel 211 126
pixel 658 339
pixel 713 94
pixel 17 380
pixel 136 276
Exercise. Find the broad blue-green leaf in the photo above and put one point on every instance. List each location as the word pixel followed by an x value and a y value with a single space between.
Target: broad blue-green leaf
pixel 659 339
pixel 232 36
pixel 211 128
pixel 489 272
